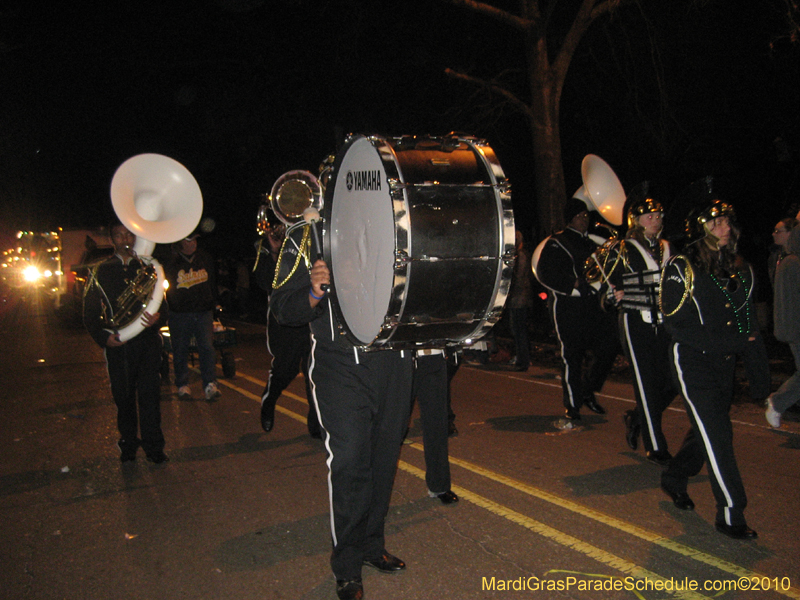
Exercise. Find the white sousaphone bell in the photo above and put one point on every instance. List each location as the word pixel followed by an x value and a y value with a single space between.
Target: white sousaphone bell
pixel 601 191
pixel 159 201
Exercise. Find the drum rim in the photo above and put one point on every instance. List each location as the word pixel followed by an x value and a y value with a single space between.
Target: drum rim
pixel 398 297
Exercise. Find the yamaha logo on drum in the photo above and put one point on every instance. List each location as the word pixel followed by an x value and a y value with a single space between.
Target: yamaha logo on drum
pixel 369 181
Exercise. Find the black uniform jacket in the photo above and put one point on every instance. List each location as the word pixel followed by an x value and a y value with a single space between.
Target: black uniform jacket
pixel 562 261
pixel 109 280
pixel 708 313
pixel 290 294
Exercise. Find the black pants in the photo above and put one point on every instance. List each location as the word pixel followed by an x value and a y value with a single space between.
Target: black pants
pixel 706 382
pixel 134 371
pixel 290 348
pixel 430 390
pixel 363 408
pixel 584 330
pixel 647 348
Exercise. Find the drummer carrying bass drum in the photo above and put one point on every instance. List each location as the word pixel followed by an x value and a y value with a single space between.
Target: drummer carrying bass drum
pixel 362 401
pixel 635 268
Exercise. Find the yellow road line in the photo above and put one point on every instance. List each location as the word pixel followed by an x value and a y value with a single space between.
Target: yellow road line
pixel 252 396
pixel 619 524
pixel 563 539
pixel 545 530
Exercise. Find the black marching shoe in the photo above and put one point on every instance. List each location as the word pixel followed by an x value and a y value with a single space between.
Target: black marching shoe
pixel 267 416
pixel 448 497
pixel 632 429
pixel 349 589
pixel 452 431
pixel 659 457
pixel 157 458
pixel 591 403
pixel 573 414
pixel 737 532
pixel 386 563
pixel 680 499
pixel 127 456
pixel 126 452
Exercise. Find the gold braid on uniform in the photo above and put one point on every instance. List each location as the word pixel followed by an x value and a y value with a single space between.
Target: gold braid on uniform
pixel 688 283
pixel 303 252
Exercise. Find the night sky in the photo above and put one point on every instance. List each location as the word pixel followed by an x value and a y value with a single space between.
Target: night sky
pixel 241 91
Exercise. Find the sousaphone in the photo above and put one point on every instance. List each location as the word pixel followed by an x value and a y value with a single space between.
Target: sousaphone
pixel 159 201
pixel 602 192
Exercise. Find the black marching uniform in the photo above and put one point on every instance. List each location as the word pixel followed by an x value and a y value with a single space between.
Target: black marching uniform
pixel 134 369
pixel 431 389
pixel 362 401
pixel 647 345
pixel 290 347
pixel 580 322
pixel 710 320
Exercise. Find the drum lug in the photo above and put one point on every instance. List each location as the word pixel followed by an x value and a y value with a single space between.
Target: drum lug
pixel 390 323
pixel 401 258
pixel 508 259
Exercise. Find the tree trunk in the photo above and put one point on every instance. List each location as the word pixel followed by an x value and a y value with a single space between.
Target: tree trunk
pixel 544 118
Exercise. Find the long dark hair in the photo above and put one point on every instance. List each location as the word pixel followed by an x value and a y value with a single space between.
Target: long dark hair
pixel 706 255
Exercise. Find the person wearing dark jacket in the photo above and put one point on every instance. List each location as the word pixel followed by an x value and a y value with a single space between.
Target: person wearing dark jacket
pixel 289 346
pixel 363 401
pixel 520 300
pixel 134 367
pixel 192 297
pixel 706 299
pixel 641 256
pixel 786 315
pixel 581 323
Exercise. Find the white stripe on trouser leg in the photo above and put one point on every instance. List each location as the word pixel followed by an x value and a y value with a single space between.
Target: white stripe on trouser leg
pixel 640 385
pixel 563 357
pixel 312 363
pixel 712 459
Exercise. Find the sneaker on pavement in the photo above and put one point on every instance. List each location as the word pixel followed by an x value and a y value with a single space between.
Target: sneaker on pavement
pixel 772 415
pixel 212 392
pixel 184 393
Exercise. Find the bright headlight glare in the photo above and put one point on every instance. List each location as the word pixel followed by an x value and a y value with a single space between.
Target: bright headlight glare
pixel 31 274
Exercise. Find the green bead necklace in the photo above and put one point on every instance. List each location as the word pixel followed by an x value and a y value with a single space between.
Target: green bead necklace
pixel 746 304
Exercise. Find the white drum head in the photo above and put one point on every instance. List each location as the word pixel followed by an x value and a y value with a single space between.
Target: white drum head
pixel 362 240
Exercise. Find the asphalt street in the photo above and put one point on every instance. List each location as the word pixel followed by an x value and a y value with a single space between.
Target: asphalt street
pixel 241 514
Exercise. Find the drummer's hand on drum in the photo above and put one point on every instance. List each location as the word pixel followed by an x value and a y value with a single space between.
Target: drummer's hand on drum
pixel 320 275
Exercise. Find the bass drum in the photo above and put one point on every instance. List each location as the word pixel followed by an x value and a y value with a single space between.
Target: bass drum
pixel 419 236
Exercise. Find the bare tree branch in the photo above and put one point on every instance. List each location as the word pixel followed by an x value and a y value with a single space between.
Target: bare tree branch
pixel 495 13
pixel 493 87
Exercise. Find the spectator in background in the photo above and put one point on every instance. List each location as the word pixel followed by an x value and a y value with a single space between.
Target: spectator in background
pixel 786 315
pixel 192 297
pixel 780 235
pixel 520 300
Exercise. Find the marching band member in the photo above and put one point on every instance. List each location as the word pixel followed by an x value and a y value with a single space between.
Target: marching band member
pixel 289 347
pixel 706 300
pixel 362 399
pixel 134 366
pixel 580 322
pixel 644 339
